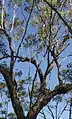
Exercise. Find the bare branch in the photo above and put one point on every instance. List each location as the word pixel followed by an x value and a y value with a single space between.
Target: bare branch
pixel 57 64
pixel 44 98
pixel 49 68
pixel 62 111
pixel 31 95
pixel 31 60
pixel 25 28
pixel 51 113
pixel 9 38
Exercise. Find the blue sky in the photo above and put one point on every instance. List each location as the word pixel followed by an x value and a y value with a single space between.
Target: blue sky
pixel 53 81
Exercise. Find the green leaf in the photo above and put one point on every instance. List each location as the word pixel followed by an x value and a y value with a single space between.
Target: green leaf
pixel 63 13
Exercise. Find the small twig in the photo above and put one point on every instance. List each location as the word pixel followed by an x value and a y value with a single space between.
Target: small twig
pixel 57 64
pixel 62 111
pixel 51 113
pixel 31 94
pixel 4 57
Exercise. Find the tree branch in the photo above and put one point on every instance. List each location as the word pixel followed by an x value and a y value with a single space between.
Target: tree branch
pixel 31 93
pixel 62 111
pixel 25 28
pixel 44 98
pixel 66 24
pixel 51 113
pixel 49 68
pixel 11 49
pixel 31 60
pixel 13 92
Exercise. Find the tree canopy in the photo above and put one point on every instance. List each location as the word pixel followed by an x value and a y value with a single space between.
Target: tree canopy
pixel 35 45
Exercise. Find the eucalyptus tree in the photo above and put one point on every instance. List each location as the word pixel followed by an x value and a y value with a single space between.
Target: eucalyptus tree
pixel 37 32
pixel 67 77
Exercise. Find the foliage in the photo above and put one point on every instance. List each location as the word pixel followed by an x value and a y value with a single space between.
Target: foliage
pixel 34 37
pixel 67 73
pixel 3 49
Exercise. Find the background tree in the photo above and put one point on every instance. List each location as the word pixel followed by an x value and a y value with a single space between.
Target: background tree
pixel 67 77
pixel 39 33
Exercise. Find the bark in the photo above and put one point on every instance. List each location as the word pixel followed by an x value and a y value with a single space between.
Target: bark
pixel 44 98
pixel 70 110
pixel 11 84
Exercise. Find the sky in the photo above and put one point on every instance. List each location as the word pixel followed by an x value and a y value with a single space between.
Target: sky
pixel 53 79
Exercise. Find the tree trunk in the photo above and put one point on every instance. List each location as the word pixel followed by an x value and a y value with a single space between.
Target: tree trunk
pixel 42 99
pixel 11 84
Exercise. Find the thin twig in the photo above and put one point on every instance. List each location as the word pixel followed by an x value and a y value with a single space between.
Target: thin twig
pixel 31 94
pixel 25 29
pixel 62 111
pixel 51 113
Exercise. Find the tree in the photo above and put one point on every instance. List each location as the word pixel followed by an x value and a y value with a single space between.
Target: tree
pixel 43 28
pixel 67 74
pixel 55 108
